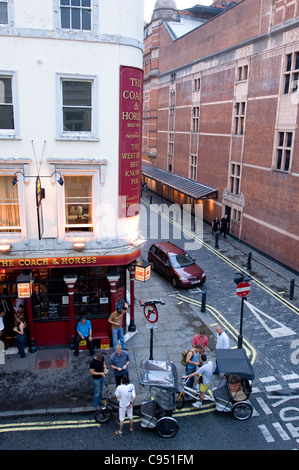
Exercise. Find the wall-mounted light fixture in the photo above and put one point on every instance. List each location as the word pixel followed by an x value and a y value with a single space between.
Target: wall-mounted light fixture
pixel 59 181
pixel 5 248
pixel 79 246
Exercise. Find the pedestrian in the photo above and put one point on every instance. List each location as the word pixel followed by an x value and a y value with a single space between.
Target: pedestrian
pixel 119 362
pixel 215 226
pixel 192 360
pixel 206 373
pixel 202 340
pixel 115 320
pixel 2 315
pixel 126 395
pixel 20 329
pixel 224 226
pixel 98 369
pixel 222 343
pixel 84 332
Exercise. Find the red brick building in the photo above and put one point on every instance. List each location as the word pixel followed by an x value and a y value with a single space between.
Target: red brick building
pixel 221 109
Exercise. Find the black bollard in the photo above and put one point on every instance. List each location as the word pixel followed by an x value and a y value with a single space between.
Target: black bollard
pixel 203 301
pixel 292 288
pixel 151 199
pixel 249 261
pixel 216 240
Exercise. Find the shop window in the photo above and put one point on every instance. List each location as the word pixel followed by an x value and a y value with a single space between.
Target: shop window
pixel 9 206
pixel 78 203
pixel 6 104
pixel 75 14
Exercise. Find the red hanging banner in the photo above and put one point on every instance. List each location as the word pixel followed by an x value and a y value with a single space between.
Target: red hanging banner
pixel 130 140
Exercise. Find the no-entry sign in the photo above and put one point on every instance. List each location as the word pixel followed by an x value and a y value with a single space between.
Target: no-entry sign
pixel 243 289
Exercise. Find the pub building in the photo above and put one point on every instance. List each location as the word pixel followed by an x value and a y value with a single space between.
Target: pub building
pixel 70 164
pixel 57 292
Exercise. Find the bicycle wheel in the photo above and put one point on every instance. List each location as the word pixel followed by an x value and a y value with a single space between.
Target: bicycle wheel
pixel 167 427
pixel 150 313
pixel 180 400
pixel 103 415
pixel 242 410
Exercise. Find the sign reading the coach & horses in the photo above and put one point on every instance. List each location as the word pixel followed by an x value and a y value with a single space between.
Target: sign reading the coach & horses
pixel 130 140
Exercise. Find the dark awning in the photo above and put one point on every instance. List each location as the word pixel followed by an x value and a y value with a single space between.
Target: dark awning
pixel 183 185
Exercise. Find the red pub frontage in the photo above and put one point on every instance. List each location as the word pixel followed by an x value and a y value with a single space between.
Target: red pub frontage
pixel 64 289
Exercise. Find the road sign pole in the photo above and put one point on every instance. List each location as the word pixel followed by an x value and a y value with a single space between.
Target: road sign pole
pixel 240 337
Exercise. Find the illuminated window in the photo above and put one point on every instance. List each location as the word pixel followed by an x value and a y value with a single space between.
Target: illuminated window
pixel 78 203
pixel 9 206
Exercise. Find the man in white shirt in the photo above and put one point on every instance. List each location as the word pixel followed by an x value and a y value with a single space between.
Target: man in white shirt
pixel 206 372
pixel 222 343
pixel 126 395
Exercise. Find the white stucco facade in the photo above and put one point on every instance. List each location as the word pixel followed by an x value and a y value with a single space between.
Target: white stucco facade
pixel 37 56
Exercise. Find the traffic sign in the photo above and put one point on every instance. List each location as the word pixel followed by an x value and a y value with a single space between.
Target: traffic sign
pixel 243 289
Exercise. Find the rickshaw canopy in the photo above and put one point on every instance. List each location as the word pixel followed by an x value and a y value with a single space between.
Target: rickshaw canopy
pixel 234 361
pixel 161 374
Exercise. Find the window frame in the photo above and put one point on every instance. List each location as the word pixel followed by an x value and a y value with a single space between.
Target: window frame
pixel 82 170
pixel 281 150
pixel 22 233
pixel 80 8
pixel 61 134
pixel 11 133
pixel 291 73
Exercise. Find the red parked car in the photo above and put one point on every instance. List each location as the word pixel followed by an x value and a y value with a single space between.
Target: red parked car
pixel 175 264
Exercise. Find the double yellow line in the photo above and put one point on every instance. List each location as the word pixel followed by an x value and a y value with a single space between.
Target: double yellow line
pixel 47 425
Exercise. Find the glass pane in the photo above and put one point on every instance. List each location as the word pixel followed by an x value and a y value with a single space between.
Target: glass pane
pixel 297 61
pixel 289 139
pixel 76 18
pixel 64 2
pixel 77 120
pixel 76 93
pixel 6 117
pixel 279 158
pixel 86 3
pixel 78 200
pixel 86 20
pixel 295 82
pixel 281 137
pixel 287 160
pixel 287 84
pixel 289 62
pixel 5 90
pixel 65 18
pixel 3 13
pixel 75 3
pixel 9 207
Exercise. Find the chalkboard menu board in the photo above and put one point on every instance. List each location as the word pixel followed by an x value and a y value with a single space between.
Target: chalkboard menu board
pixel 54 310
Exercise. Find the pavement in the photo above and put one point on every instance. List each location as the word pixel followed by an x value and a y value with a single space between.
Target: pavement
pixel 50 381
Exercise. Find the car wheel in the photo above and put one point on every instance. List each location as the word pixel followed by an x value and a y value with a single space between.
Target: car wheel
pixel 152 266
pixel 174 282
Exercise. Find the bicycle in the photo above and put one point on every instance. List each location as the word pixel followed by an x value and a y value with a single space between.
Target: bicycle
pixel 104 414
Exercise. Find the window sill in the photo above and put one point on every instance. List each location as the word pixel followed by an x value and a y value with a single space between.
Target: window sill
pixel 78 137
pixel 4 136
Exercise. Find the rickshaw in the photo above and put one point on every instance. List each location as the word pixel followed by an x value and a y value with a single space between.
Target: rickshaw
pixel 161 381
pixel 234 389
pixel 233 392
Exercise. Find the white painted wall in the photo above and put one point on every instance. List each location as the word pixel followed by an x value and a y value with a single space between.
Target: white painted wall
pixel 36 53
